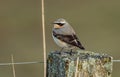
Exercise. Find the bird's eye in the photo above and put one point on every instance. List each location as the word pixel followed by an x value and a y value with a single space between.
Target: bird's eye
pixel 60 24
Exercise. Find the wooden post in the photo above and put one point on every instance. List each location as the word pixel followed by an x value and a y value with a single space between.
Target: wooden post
pixel 79 64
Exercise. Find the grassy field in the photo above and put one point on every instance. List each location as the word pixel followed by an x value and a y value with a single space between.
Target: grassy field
pixel 97 24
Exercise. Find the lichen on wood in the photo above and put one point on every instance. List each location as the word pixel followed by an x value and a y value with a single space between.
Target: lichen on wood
pixel 79 64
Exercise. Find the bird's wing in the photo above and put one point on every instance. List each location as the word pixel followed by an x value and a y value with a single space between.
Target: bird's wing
pixel 70 39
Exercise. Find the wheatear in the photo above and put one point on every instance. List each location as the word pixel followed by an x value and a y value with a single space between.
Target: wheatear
pixel 64 35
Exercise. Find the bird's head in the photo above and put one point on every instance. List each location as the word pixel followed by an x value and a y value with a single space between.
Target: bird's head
pixel 59 23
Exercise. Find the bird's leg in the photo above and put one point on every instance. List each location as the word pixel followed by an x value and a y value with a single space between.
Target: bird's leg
pixel 61 50
pixel 71 52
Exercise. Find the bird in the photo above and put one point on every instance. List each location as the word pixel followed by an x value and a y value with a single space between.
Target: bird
pixel 65 36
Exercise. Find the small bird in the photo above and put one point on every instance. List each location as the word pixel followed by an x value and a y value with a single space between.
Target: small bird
pixel 64 35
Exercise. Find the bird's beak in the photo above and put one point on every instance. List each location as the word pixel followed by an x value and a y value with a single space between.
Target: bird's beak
pixel 54 23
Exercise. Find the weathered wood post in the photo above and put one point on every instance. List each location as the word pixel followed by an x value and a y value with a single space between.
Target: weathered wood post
pixel 79 64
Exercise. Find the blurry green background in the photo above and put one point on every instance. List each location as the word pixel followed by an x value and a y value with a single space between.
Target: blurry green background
pixel 96 22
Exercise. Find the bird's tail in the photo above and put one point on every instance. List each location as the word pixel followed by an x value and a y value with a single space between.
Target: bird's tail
pixel 81 47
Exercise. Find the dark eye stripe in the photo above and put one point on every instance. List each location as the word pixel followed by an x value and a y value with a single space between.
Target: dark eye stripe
pixel 61 24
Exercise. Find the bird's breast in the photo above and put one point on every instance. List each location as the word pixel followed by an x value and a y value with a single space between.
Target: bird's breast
pixel 60 43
